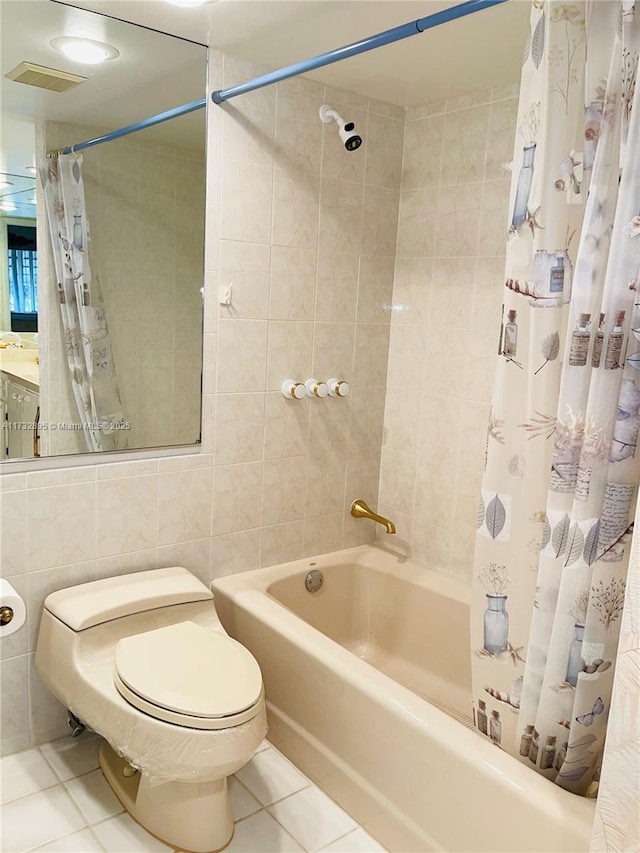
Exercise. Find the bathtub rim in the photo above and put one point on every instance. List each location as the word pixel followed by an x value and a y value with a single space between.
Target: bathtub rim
pixel 377 557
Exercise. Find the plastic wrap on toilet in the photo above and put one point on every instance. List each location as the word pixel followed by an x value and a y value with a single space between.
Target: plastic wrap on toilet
pixel 163 751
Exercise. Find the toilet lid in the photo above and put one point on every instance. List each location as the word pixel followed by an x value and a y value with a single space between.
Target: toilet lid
pixel 189 669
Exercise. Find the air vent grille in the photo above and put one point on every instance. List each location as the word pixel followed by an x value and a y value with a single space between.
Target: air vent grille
pixel 44 78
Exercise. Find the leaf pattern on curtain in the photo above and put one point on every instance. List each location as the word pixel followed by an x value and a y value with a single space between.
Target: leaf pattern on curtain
pixel 568 393
pixel 88 346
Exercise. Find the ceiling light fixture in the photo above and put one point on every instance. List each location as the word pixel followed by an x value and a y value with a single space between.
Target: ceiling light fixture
pixel 84 51
pixel 33 200
pixel 8 206
pixel 32 169
pixel 5 184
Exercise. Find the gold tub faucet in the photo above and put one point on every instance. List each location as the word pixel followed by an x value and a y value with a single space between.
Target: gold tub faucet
pixel 359 509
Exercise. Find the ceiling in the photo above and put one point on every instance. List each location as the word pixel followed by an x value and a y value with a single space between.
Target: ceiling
pixel 153 73
pixel 481 50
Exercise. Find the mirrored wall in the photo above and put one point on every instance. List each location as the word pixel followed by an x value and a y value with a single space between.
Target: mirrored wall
pixel 130 376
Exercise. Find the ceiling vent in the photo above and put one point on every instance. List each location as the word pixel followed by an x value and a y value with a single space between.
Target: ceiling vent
pixel 45 78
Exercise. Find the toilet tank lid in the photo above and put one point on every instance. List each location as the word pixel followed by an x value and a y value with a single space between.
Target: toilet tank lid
pixel 90 604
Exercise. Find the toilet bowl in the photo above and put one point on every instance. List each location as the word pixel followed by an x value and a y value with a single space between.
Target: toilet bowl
pixel 144 661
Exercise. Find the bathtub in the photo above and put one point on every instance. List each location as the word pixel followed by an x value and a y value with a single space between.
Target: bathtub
pixel 368 688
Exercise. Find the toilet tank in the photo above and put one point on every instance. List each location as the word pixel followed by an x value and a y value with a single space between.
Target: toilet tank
pixel 89 604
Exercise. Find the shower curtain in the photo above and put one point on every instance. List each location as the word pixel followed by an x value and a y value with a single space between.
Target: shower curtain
pixel 86 334
pixel 562 468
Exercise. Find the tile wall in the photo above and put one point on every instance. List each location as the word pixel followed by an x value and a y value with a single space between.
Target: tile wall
pixel 446 321
pixel 150 270
pixel 305 234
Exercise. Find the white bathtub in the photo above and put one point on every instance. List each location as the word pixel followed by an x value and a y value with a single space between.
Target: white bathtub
pixel 368 692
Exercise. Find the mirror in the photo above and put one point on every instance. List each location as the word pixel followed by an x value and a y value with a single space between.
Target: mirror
pixel 102 276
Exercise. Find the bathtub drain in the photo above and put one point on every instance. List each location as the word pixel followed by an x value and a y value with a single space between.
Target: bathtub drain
pixel 314 580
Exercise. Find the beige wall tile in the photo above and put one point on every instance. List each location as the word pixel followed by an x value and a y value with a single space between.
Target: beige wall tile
pixel 371 354
pixel 60 525
pixel 375 289
pixel 245 201
pixel 126 514
pixel 289 352
pixel 242 356
pixel 337 288
pixel 422 153
pixel 184 505
pixel 298 142
pixel 379 221
pixel 325 484
pixel 417 220
pixel 384 151
pixel 248 127
pixel 340 217
pixel 239 427
pixel 464 143
pixel 333 350
pixel 292 284
pixel 236 497
pixel 445 317
pixel 13 532
pixel 281 543
pixel 286 427
pixel 245 268
pixel 295 208
pixel 235 552
pixel 322 534
pixel 283 489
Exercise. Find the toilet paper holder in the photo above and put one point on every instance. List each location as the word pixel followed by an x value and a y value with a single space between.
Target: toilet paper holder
pixel 6 614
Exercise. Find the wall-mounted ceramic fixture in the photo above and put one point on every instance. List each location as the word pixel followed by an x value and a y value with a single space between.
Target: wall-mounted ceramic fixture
pixel 316 389
pixel 338 387
pixel 293 390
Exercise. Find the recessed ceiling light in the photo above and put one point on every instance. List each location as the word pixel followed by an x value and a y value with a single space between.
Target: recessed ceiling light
pixel 4 184
pixel 32 169
pixel 33 200
pixel 8 206
pixel 84 51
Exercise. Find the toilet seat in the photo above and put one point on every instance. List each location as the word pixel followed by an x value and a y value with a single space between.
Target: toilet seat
pixel 189 676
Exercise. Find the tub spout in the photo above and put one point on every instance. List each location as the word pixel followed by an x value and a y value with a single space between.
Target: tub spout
pixel 359 509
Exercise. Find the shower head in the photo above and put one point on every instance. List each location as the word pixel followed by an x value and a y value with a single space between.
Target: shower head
pixel 346 129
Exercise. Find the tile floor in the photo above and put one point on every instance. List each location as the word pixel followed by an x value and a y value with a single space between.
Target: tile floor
pixel 55 799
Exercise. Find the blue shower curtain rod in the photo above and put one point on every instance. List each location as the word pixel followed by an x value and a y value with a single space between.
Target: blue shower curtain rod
pixel 134 128
pixel 221 95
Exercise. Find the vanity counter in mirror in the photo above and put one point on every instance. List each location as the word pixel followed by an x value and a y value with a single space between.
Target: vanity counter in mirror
pixel 21 366
pixel 19 401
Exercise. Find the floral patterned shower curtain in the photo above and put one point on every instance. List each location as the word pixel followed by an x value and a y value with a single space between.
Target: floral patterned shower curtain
pixel 86 334
pixel 562 470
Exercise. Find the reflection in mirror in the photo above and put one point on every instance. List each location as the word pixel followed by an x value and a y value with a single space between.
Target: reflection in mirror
pixel 102 249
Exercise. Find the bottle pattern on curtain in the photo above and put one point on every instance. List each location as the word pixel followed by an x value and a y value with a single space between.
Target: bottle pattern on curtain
pixel 562 469
pixel 87 341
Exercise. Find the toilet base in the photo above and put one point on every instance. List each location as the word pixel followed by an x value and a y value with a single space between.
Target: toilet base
pixel 194 816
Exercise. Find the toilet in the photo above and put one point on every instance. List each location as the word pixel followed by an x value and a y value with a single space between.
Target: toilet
pixel 143 660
